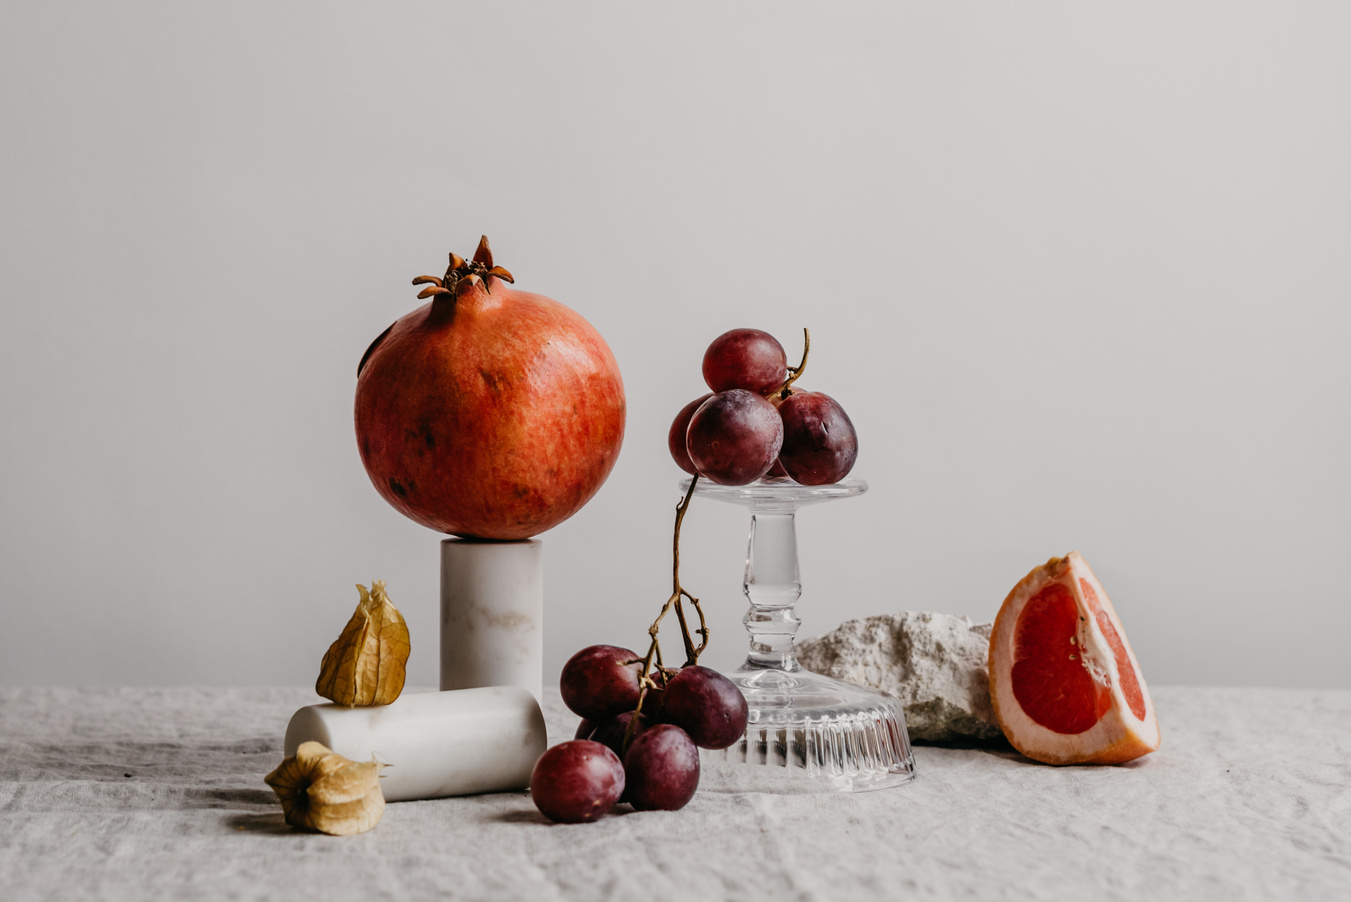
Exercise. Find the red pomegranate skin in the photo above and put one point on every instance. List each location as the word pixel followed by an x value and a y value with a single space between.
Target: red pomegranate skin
pixel 489 414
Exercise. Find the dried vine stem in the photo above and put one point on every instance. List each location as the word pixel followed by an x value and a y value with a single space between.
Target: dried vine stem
pixel 795 371
pixel 678 593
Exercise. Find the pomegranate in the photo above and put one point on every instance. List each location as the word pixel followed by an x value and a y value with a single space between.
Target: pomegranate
pixel 489 412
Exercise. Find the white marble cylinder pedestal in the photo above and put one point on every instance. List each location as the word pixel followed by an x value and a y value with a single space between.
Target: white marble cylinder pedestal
pixel 436 743
pixel 492 614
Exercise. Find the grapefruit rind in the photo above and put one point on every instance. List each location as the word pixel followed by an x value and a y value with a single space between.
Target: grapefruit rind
pixel 1119 735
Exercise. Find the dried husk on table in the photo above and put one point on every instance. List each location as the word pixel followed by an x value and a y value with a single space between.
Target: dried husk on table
pixel 321 790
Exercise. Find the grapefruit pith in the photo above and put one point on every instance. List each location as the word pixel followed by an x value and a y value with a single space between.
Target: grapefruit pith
pixel 1065 684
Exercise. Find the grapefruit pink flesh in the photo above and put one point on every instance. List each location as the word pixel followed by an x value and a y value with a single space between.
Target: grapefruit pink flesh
pixel 1049 680
pixel 1130 684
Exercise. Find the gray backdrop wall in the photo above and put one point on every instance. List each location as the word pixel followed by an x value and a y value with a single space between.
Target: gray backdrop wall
pixel 1079 274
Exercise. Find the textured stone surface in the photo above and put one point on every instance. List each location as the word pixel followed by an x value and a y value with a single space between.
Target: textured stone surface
pixel 934 663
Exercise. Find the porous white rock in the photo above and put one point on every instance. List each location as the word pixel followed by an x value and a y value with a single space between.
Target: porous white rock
pixel 934 663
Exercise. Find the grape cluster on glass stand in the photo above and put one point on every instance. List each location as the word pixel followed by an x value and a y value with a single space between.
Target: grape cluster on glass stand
pixel 643 722
pixel 756 424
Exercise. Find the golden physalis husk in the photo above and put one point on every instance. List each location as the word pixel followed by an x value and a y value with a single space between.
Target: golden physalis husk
pixel 366 666
pixel 321 790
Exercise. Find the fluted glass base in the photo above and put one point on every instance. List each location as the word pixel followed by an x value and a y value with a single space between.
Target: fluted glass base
pixel 850 738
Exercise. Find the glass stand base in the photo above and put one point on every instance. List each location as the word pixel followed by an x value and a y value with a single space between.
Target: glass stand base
pixel 849 738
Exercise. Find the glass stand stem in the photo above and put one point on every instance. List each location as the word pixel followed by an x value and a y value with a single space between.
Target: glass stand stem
pixel 773 585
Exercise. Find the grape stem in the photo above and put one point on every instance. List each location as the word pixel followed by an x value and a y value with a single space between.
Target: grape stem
pixel 795 371
pixel 678 593
pixel 676 600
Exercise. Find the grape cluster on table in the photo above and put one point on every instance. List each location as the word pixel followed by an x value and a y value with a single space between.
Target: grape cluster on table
pixel 754 424
pixel 692 707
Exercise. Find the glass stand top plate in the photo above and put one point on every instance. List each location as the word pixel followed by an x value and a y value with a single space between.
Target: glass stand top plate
pixel 777 494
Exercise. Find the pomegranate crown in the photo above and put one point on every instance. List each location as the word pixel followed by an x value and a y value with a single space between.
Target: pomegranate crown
pixel 465 273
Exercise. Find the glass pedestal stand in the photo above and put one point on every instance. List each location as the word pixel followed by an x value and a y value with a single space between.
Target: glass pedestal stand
pixel 847 737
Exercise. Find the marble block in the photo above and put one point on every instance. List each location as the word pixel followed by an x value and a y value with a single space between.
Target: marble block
pixel 492 614
pixel 436 743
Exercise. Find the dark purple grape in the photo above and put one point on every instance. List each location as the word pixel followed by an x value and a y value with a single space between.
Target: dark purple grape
pixel 675 439
pixel 585 729
pixel 707 706
pixel 597 683
pixel 577 781
pixel 654 700
pixel 745 358
pixel 777 471
pixel 611 733
pixel 661 769
pixel 734 437
pixel 819 442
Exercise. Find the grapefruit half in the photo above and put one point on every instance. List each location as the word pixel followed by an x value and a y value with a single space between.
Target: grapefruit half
pixel 1065 684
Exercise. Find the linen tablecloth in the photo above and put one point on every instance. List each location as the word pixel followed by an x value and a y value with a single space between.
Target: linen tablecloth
pixel 159 794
